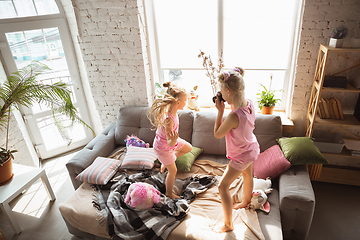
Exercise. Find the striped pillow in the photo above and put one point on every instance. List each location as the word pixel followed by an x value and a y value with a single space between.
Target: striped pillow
pixel 270 163
pixel 139 158
pixel 100 171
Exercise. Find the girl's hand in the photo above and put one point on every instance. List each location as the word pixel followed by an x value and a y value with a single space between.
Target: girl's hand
pixel 220 105
pixel 172 137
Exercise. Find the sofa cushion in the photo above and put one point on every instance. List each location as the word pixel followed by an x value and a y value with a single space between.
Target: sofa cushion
pixel 301 150
pixel 100 171
pixel 270 163
pixel 134 120
pixel 139 158
pixel 203 133
pixel 268 128
pixel 270 223
pixel 185 162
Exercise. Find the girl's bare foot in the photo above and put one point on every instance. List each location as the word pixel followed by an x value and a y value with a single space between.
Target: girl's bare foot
pixel 162 168
pixel 240 205
pixel 222 228
pixel 172 195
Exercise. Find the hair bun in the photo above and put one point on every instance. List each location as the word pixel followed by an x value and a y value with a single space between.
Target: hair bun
pixel 240 70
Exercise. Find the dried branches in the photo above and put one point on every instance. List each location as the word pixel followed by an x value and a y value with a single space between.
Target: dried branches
pixel 211 71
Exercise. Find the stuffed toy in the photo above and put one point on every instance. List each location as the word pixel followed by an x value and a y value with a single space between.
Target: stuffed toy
pixel 192 103
pixel 135 142
pixel 142 196
pixel 259 197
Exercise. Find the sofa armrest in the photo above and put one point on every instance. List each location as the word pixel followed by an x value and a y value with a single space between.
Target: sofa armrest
pixel 102 145
pixel 297 202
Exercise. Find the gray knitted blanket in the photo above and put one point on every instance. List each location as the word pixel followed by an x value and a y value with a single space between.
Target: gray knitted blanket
pixel 155 223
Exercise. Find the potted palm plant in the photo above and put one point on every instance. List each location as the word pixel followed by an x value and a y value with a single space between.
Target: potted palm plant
pixel 22 89
pixel 267 100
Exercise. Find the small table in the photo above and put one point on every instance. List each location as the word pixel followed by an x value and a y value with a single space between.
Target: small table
pixel 22 180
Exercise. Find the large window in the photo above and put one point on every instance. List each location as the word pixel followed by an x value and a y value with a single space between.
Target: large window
pixel 256 35
pixel 37 30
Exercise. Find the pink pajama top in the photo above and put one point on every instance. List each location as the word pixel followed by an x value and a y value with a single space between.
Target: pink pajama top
pixel 241 143
pixel 160 140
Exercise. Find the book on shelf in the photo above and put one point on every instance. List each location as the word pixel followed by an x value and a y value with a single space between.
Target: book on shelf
pixel 321 110
pixel 332 109
pixel 338 104
pixel 327 115
pixel 335 108
pixel 319 114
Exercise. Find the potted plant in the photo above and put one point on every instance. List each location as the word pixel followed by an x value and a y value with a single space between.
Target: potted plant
pixel 337 36
pixel 22 88
pixel 267 99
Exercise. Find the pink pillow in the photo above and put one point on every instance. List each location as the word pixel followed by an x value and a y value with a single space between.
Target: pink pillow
pixel 270 163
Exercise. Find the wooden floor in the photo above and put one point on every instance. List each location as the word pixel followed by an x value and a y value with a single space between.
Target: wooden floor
pixel 346 176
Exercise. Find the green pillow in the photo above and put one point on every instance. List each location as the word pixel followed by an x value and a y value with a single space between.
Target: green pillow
pixel 185 162
pixel 301 150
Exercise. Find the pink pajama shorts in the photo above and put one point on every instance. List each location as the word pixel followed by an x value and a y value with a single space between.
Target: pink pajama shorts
pixel 167 155
pixel 239 166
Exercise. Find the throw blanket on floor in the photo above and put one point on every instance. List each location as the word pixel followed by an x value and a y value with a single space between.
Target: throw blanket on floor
pixel 155 223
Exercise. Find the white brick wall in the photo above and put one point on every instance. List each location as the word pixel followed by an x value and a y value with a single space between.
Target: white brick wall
pixel 320 17
pixel 110 41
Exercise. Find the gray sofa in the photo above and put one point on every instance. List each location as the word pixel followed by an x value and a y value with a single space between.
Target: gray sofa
pixel 292 201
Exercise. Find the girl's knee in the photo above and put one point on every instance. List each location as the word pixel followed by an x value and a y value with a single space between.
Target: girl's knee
pixel 222 187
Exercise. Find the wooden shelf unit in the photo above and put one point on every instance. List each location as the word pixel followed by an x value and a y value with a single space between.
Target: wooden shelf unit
pixel 317 87
pixel 350 120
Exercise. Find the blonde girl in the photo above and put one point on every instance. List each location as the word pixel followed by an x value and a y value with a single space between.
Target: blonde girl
pixel 242 147
pixel 167 143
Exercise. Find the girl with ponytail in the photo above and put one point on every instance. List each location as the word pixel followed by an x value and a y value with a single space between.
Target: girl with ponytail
pixel 167 143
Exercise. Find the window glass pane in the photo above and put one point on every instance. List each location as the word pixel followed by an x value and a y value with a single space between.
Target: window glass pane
pixel 188 79
pixel 253 79
pixel 18 45
pixel 258 34
pixel 183 28
pixel 7 9
pixel 35 40
pixel 50 132
pixel 45 7
pixel 26 8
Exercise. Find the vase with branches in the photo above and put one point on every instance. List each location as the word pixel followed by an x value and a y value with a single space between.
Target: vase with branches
pixel 212 71
pixel 23 89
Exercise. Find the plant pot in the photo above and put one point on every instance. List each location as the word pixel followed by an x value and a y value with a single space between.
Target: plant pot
pixel 6 173
pixel 267 110
pixel 336 43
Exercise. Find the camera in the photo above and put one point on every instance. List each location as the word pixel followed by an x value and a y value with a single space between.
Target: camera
pixel 219 96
